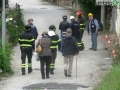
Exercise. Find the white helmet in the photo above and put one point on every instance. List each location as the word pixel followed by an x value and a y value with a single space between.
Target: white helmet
pixel 72 17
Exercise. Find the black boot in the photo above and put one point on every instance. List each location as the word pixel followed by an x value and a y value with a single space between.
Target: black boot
pixel 29 70
pixel 51 71
pixel 47 77
pixel 23 71
pixel 65 72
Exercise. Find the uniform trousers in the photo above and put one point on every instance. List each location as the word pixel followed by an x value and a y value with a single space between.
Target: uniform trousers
pixel 26 51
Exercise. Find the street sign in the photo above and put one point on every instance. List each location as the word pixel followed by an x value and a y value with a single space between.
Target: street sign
pixel 108 2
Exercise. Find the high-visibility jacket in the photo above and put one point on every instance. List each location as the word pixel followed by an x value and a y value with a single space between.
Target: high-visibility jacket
pixel 82 23
pixel 55 42
pixel 26 40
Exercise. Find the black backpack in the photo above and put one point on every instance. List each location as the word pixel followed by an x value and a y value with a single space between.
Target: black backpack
pixel 100 26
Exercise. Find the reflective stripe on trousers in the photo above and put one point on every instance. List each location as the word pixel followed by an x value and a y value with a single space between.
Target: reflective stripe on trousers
pixel 52 65
pixel 23 65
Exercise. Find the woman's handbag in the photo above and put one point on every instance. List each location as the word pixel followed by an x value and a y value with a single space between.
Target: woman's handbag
pixel 39 49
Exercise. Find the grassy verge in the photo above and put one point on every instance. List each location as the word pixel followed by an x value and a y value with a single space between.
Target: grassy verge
pixel 112 80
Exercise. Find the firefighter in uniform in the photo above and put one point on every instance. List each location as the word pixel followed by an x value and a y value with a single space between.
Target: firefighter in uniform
pixel 82 27
pixel 55 41
pixel 26 42
pixel 75 30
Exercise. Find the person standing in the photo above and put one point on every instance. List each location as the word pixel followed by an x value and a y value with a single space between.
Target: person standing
pixel 63 26
pixel 45 55
pixel 81 23
pixel 26 42
pixel 69 49
pixel 93 27
pixel 75 30
pixel 55 41
pixel 33 31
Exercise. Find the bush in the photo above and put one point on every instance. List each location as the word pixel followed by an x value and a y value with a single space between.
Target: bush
pixel 5 58
pixel 14 25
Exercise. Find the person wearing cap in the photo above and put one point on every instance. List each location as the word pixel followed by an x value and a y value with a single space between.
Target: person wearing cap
pixel 26 42
pixel 45 55
pixel 55 42
pixel 75 30
pixel 93 27
pixel 69 50
pixel 81 23
pixel 63 26
pixel 33 31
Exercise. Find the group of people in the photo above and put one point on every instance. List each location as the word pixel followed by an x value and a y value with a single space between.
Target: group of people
pixel 69 43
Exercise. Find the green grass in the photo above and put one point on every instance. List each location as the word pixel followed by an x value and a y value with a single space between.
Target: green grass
pixel 112 80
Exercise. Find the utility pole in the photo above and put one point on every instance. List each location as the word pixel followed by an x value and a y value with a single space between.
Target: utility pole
pixel 3 32
pixel 3 23
pixel 103 15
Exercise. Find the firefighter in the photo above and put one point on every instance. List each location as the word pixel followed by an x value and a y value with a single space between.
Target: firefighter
pixel 55 41
pixel 82 27
pixel 81 22
pixel 75 30
pixel 26 42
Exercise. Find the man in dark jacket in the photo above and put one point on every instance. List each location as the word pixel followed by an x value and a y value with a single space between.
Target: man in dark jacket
pixel 33 31
pixel 76 30
pixel 55 41
pixel 26 42
pixel 63 26
pixel 69 49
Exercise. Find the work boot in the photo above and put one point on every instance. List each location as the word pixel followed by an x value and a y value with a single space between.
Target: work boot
pixel 47 77
pixel 29 70
pixel 94 49
pixel 90 48
pixel 23 71
pixel 65 72
pixel 51 71
pixel 69 75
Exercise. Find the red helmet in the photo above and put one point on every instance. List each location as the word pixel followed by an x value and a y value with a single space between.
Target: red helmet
pixel 79 13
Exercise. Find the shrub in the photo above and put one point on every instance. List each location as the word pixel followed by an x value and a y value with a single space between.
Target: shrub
pixel 5 58
pixel 14 25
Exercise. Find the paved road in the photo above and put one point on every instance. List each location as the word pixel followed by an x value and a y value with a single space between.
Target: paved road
pixel 91 65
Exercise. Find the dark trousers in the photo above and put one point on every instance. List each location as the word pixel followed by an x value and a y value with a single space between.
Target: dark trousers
pixel 26 51
pixel 80 44
pixel 82 32
pixel 33 45
pixel 53 58
pixel 43 60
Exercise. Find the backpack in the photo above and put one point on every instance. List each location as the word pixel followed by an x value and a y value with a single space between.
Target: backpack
pixel 100 25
